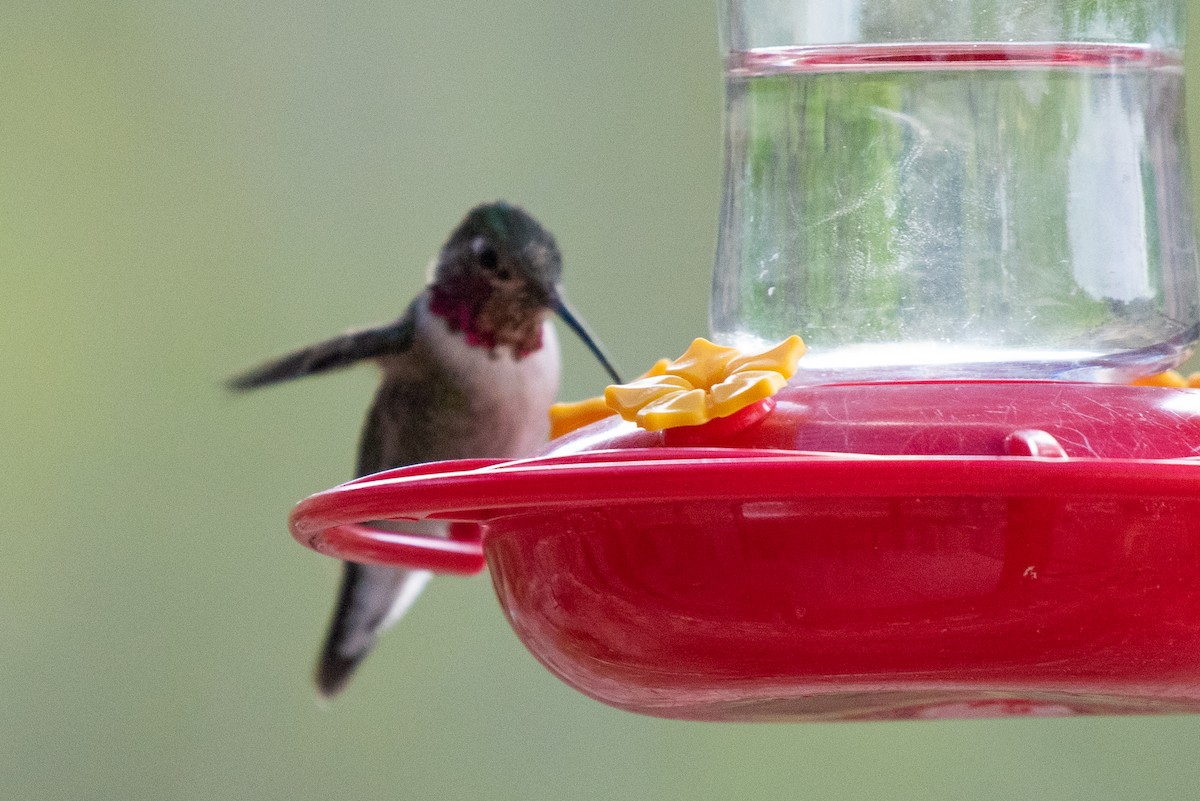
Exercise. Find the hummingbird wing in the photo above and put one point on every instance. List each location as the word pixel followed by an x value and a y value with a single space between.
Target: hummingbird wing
pixel 342 351
pixel 371 598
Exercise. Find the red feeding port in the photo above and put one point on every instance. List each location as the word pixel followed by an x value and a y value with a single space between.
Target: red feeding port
pixel 860 551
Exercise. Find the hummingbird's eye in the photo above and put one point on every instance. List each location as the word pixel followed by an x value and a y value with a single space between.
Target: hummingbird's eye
pixel 488 259
pixel 491 262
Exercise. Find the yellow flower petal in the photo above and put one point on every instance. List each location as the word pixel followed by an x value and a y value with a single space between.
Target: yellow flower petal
pixel 658 368
pixel 704 363
pixel 627 399
pixel 782 358
pixel 744 388
pixel 566 417
pixel 679 408
pixel 1167 379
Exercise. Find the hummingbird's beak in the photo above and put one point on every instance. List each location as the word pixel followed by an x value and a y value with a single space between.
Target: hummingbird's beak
pixel 575 324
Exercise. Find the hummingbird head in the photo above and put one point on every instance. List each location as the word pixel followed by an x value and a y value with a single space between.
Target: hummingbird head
pixel 497 278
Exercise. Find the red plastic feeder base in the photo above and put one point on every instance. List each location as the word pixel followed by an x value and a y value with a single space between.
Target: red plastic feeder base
pixel 875 551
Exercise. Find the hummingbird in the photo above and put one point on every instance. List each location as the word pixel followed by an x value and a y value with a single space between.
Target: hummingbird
pixel 469 370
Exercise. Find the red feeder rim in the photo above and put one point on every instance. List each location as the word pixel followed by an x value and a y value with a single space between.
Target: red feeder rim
pixel 478 490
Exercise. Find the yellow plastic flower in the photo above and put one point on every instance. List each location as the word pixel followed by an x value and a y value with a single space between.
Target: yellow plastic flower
pixel 1171 378
pixel 706 382
pixel 566 417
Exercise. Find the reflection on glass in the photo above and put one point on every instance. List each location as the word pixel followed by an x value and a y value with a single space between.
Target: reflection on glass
pixel 951 208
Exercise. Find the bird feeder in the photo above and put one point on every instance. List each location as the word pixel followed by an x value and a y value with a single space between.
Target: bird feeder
pixel 955 503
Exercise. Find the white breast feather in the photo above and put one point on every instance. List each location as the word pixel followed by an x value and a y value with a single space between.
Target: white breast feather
pixel 519 392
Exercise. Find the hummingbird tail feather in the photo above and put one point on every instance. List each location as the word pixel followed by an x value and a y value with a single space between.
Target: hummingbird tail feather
pixel 371 599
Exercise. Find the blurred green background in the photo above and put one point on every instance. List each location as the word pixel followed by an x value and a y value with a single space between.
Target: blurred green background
pixel 186 188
